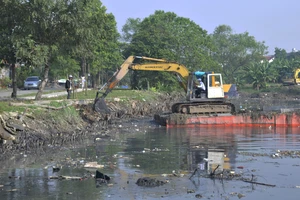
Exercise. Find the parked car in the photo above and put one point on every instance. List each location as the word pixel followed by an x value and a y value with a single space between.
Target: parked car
pixel 32 82
pixel 62 82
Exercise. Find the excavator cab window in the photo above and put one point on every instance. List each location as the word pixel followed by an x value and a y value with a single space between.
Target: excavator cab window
pixel 199 92
pixel 215 81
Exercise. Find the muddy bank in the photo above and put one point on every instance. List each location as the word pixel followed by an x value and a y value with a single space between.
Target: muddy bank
pixel 71 125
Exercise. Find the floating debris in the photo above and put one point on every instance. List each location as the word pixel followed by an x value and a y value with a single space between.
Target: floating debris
pixel 93 165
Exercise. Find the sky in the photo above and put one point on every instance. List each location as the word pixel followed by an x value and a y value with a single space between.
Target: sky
pixel 274 21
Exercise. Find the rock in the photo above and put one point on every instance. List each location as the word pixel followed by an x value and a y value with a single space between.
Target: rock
pixel 6 135
pixel 100 175
pixel 149 182
pixel 15 124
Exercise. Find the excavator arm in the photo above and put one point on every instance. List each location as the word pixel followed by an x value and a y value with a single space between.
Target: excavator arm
pixel 181 71
pixel 212 101
pixel 156 65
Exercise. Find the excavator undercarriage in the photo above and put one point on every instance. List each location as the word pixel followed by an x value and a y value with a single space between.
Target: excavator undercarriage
pixel 203 108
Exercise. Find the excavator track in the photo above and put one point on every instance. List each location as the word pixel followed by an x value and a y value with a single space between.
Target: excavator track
pixel 203 108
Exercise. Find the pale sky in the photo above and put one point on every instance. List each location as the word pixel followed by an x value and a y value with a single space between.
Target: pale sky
pixel 274 21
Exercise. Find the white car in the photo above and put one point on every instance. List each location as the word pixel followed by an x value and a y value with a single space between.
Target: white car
pixel 32 82
pixel 61 82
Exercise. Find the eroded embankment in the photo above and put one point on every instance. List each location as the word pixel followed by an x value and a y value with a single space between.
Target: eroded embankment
pixel 71 124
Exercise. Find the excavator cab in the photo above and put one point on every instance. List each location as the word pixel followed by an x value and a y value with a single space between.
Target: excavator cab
pixel 214 87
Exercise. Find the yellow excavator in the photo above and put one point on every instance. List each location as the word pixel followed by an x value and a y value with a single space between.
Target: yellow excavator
pixel 291 78
pixel 211 100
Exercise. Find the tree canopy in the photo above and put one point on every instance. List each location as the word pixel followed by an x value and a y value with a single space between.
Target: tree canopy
pixel 166 35
pixel 47 32
pixel 60 37
pixel 235 51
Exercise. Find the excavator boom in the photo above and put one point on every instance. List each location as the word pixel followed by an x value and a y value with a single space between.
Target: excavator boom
pixel 180 70
pixel 156 65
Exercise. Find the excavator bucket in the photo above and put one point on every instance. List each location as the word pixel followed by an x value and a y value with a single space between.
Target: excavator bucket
pixel 100 106
pixel 99 103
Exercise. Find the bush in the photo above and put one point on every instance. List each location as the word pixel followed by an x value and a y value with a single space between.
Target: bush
pixel 5 82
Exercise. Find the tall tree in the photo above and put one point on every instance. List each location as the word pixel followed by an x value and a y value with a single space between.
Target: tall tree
pixel 47 32
pixel 166 35
pixel 106 51
pixel 88 28
pixel 11 23
pixel 280 53
pixel 129 29
pixel 236 51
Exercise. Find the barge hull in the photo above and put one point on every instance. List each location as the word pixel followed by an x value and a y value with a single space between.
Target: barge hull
pixel 276 120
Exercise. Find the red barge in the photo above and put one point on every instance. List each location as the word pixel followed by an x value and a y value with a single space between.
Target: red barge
pixel 273 120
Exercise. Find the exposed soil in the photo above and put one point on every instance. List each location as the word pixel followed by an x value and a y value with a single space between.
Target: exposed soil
pixel 43 131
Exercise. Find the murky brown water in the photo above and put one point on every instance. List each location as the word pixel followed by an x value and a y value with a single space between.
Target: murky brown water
pixel 156 152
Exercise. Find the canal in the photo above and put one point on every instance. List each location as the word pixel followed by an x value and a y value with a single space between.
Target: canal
pixel 263 155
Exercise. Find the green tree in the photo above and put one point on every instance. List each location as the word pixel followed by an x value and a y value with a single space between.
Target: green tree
pixel 260 74
pixel 94 36
pixel 57 33
pixel 106 51
pixel 12 16
pixel 280 53
pixel 166 35
pixel 129 29
pixel 236 51
pixel 286 63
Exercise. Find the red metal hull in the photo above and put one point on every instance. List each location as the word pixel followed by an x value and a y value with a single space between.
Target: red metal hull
pixel 276 120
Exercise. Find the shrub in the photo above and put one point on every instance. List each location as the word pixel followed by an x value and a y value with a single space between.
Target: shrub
pixel 5 82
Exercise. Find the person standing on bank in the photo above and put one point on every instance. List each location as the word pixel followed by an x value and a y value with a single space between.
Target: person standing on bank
pixel 69 86
pixel 82 82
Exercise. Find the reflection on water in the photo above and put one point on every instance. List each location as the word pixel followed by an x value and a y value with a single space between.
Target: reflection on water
pixel 157 151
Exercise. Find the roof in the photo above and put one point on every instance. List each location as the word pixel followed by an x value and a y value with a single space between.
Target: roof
pixel 269 57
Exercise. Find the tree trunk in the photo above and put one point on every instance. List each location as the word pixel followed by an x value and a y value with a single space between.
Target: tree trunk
pixel 14 81
pixel 43 83
pixel 97 80
pixel 83 67
pixel 134 80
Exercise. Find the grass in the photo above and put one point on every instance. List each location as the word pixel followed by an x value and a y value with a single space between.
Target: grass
pixel 6 107
pixel 276 88
pixel 126 95
pixel 57 104
pixel 69 116
pixel 123 94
